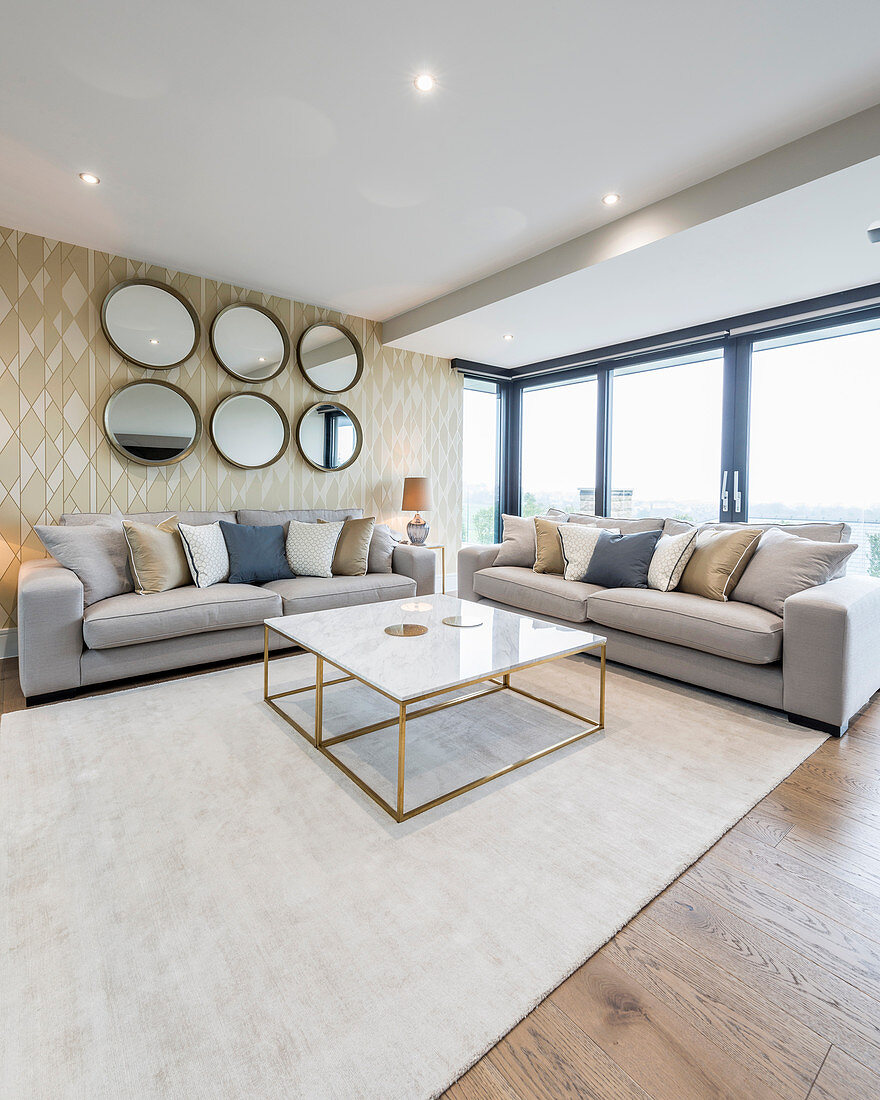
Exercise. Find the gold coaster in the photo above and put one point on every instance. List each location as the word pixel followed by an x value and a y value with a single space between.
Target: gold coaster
pixel 462 620
pixel 406 630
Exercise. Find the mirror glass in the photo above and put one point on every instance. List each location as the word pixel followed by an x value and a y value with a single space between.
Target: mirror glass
pixel 149 324
pixel 250 430
pixel 330 357
pixel 249 342
pixel 329 436
pixel 152 423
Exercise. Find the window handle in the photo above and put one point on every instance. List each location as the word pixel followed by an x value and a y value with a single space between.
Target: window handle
pixel 737 495
pixel 725 498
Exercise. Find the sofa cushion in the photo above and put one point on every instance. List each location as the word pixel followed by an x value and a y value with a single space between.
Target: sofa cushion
pixel 97 553
pixel 734 630
pixel 319 593
pixel 784 564
pixel 132 618
pixel 623 526
pixel 539 593
pixel 194 519
pixel 260 517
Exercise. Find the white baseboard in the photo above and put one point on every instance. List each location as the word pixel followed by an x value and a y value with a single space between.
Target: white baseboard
pixel 8 643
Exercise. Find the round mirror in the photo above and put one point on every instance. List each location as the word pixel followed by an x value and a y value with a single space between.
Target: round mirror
pixel 149 324
pixel 329 436
pixel 153 423
pixel 249 342
pixel 330 357
pixel 249 430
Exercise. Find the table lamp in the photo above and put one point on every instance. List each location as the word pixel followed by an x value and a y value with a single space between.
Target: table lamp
pixel 416 496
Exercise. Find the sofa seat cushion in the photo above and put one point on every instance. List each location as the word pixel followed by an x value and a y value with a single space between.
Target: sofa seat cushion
pixel 693 621
pixel 539 593
pixel 131 619
pixel 319 593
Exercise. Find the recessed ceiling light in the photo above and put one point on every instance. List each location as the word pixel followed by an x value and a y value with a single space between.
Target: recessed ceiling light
pixel 154 341
pixel 611 199
pixel 89 177
pixel 424 82
pixel 507 336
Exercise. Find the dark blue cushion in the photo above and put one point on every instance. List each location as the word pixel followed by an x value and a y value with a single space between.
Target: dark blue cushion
pixel 621 561
pixel 256 554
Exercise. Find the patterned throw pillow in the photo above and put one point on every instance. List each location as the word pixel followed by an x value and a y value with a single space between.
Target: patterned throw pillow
pixel 311 546
pixel 206 553
pixel 578 544
pixel 670 557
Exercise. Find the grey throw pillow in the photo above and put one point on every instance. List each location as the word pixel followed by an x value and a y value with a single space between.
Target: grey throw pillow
pixel 622 561
pixel 785 564
pixel 517 542
pixel 381 555
pixel 97 554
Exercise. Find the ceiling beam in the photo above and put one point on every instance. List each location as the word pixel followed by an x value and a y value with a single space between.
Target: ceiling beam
pixel 831 149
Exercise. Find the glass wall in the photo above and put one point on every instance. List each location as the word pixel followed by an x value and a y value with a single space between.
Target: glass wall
pixel 814 448
pixel 559 447
pixel 666 438
pixel 480 461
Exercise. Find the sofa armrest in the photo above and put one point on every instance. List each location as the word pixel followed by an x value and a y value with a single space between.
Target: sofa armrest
pixel 50 637
pixel 831 650
pixel 419 563
pixel 471 559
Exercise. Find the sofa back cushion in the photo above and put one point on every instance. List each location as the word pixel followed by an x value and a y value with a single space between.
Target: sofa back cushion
pixel 114 519
pixel 261 517
pixel 784 564
pixel 624 526
pixel 98 554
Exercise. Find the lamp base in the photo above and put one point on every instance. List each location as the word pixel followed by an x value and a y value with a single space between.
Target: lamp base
pixel 417 530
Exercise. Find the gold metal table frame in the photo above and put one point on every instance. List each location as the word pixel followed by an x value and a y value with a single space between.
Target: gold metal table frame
pixel 323 744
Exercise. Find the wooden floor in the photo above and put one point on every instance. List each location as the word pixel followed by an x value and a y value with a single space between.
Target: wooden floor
pixel 755 974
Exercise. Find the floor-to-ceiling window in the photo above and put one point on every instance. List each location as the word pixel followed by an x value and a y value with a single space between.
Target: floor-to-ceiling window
pixel 559 447
pixel 666 420
pixel 814 448
pixel 480 461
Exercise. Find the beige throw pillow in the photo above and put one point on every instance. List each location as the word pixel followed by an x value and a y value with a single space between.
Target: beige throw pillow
pixel 158 561
pixel 352 555
pixel 718 562
pixel 548 547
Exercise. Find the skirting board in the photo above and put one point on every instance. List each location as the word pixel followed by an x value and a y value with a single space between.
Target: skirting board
pixel 8 643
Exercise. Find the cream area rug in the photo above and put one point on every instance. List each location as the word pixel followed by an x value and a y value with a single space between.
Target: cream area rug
pixel 197 904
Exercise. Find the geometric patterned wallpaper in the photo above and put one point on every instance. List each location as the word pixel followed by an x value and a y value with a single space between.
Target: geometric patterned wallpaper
pixel 57 371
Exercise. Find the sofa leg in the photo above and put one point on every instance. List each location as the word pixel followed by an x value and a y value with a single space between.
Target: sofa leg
pixel 815 724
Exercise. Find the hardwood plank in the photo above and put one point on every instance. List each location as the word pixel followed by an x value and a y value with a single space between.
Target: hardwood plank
pixel 761 1037
pixel 817 936
pixel 827 771
pixel 837 859
pixel 835 1010
pixel 799 807
pixel 843 1078
pixel 848 802
pixel 845 903
pixel 762 824
pixel 655 1046
pixel 482 1082
pixel 546 1057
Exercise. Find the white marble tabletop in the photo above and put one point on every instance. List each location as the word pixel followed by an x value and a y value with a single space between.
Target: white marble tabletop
pixel 354 639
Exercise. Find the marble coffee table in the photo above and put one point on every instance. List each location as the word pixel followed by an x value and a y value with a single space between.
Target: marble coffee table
pixel 434 660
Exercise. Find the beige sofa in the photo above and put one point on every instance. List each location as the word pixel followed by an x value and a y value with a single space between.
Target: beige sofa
pixel 819 661
pixel 63 646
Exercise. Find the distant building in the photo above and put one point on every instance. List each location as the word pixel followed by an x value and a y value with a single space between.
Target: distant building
pixel 621 502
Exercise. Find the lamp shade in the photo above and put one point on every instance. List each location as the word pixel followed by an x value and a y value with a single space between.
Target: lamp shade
pixel 417 494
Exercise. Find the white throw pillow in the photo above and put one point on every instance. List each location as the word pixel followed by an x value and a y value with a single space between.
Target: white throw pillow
pixel 671 555
pixel 310 548
pixel 578 544
pixel 206 553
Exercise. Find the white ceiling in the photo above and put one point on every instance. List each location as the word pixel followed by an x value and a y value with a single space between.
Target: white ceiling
pixel 282 146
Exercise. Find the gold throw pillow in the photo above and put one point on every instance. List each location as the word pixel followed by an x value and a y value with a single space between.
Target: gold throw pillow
pixel 548 547
pixel 158 561
pixel 352 552
pixel 718 562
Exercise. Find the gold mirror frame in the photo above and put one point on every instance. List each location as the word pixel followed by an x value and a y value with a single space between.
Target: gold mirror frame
pixel 197 327
pixel 358 431
pixel 262 397
pixel 111 438
pixel 359 352
pixel 275 321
